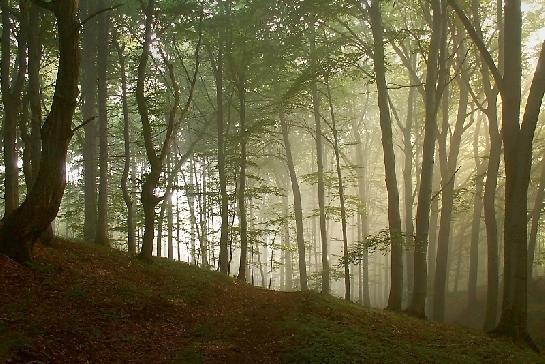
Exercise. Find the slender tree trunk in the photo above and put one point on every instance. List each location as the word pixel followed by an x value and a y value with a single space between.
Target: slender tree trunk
pixel 475 224
pixel 89 115
pixel 241 190
pixel 336 150
pixel 203 219
pixel 535 216
pixel 320 169
pixel 190 194
pixel 288 261
pixel 224 261
pixel 131 228
pixel 297 205
pixel 408 189
pixel 363 210
pixel 160 220
pixel 438 39
pixel 394 217
pixel 24 225
pixel 449 164
pixel 101 235
pixel 432 236
pixel 155 157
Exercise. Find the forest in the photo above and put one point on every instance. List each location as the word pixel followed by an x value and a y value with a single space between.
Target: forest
pixel 306 181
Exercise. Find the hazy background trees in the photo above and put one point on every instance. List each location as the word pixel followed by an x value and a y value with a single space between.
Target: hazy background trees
pixel 353 148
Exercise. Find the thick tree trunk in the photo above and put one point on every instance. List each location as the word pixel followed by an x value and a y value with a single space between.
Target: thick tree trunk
pixel 11 90
pixel 297 205
pixel 23 226
pixel 394 217
pixel 518 140
pixel 34 87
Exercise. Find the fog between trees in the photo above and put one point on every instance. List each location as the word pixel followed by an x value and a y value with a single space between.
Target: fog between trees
pixel 390 153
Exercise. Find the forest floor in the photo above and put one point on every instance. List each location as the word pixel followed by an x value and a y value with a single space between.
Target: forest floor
pixel 78 303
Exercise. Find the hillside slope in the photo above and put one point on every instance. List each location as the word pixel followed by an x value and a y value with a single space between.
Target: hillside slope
pixel 79 303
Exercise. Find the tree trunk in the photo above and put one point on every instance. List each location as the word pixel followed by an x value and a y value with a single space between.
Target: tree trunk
pixel 203 219
pixel 432 236
pixel 131 229
pixel 438 39
pixel 475 224
pixel 320 168
pixel 23 226
pixel 448 181
pixel 363 221
pixel 34 87
pixel 89 48
pixel 155 157
pixel 241 190
pixel 11 89
pixel 101 236
pixel 394 217
pixel 408 189
pixel 336 150
pixel 224 261
pixel 535 216
pixel 297 205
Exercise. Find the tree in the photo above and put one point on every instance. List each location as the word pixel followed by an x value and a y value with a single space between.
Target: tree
pixel 156 157
pixel 20 229
pixel 518 137
pixel 89 47
pixel 433 88
pixel 394 217
pixel 131 228
pixel 297 205
pixel 101 235
pixel 12 88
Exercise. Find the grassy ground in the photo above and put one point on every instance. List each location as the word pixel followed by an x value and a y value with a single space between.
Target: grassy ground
pixel 79 303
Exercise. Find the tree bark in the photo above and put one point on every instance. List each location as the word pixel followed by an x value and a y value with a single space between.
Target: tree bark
pixel 336 150
pixel 20 229
pixel 131 229
pixel 394 217
pixel 475 223
pixel 363 220
pixel 241 190
pixel 101 235
pixel 449 162
pixel 297 205
pixel 89 49
pixel 535 217
pixel 11 89
pixel 320 167
pixel 438 39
